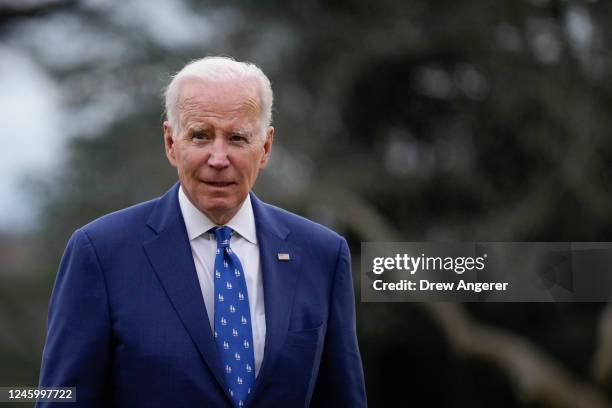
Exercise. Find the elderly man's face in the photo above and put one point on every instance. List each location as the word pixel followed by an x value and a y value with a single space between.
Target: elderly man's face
pixel 220 146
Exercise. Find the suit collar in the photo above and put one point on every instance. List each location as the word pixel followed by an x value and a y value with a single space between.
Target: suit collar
pixel 265 221
pixel 198 223
pixel 166 211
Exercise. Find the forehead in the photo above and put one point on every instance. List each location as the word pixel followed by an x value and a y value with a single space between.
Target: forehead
pixel 230 100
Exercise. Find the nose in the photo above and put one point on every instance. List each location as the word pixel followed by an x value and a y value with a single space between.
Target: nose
pixel 218 158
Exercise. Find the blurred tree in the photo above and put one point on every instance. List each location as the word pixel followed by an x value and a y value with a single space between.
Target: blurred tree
pixel 395 121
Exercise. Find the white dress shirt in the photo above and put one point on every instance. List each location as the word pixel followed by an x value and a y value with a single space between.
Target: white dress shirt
pixel 244 244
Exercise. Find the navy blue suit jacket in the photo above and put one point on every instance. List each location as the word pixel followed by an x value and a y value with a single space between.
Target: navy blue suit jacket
pixel 128 326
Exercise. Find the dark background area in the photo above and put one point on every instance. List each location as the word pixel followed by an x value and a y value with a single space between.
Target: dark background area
pixel 395 121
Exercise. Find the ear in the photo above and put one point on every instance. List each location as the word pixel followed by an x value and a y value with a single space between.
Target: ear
pixel 267 147
pixel 169 143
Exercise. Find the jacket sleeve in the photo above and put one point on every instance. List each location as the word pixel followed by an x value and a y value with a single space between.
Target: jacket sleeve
pixel 340 382
pixel 77 348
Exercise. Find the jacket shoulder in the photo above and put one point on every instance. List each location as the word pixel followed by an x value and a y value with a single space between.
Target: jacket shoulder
pixel 118 223
pixel 302 227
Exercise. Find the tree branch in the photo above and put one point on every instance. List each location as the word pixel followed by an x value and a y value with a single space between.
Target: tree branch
pixel 11 13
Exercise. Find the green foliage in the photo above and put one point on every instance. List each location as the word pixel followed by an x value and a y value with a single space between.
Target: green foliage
pixel 470 120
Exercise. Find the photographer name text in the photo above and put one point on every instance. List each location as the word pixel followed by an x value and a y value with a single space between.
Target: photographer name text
pixel 414 264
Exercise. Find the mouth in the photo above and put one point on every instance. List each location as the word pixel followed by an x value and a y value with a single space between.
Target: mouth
pixel 218 184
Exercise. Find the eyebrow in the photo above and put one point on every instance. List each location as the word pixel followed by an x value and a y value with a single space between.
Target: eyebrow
pixel 242 132
pixel 245 131
pixel 198 128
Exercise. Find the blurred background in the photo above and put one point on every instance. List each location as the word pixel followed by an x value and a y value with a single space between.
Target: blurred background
pixel 395 120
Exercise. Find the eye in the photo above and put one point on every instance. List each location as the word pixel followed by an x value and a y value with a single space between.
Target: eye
pixel 237 137
pixel 199 136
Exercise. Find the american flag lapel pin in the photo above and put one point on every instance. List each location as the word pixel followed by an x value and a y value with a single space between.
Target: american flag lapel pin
pixel 284 257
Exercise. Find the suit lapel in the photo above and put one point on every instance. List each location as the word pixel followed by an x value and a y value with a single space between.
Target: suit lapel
pixel 170 254
pixel 279 283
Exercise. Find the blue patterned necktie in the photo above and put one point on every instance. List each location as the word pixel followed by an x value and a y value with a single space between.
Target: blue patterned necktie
pixel 233 333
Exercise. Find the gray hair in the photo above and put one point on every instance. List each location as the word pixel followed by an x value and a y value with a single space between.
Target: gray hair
pixel 219 69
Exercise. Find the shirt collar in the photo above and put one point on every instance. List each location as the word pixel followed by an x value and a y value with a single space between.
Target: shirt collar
pixel 197 223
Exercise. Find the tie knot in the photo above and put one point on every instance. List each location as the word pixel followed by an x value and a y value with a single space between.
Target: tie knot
pixel 223 235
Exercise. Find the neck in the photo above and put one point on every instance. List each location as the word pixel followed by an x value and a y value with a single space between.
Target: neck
pixel 219 217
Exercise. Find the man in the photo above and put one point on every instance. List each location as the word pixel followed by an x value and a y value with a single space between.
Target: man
pixel 206 296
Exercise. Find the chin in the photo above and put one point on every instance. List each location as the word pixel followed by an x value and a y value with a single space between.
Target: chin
pixel 217 205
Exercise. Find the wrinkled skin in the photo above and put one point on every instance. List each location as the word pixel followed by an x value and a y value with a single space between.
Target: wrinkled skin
pixel 220 145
